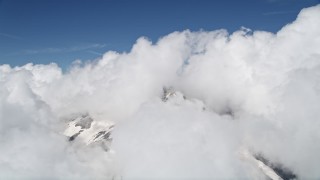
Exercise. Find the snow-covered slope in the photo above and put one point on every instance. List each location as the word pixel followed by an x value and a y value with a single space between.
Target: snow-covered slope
pixel 85 130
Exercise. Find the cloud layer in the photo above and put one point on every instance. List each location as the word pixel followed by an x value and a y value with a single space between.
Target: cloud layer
pixel 249 89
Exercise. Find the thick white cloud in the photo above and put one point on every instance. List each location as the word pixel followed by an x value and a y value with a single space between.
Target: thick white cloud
pixel 269 83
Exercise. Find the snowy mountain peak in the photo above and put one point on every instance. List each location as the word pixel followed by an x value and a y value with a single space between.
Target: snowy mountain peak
pixel 85 130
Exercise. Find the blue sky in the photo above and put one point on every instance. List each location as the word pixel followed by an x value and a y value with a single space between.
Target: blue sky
pixel 61 31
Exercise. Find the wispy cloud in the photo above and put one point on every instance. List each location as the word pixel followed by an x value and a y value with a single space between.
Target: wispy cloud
pixel 273 1
pixel 271 13
pixel 11 36
pixel 94 52
pixel 86 47
pixel 89 47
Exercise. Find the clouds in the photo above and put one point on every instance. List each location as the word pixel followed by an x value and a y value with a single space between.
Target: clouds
pixel 277 13
pixel 177 140
pixel 88 48
pixel 249 89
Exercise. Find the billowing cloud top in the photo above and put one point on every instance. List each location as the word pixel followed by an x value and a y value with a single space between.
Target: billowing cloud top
pixel 249 89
